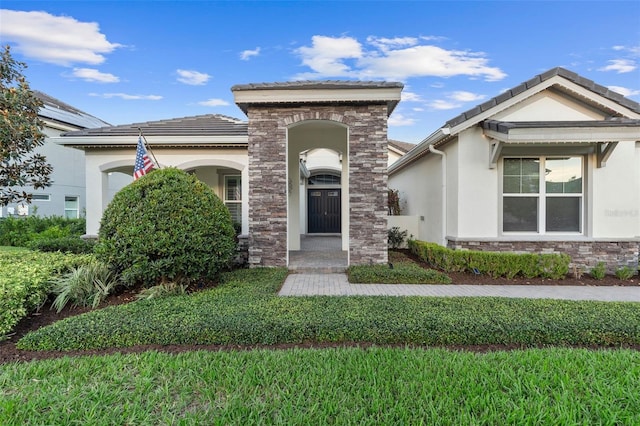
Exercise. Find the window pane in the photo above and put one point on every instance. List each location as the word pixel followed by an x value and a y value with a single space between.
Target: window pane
pixel 512 167
pixel 233 188
pixel 511 184
pixel 236 211
pixel 530 185
pixel 563 214
pixel 520 214
pixel 563 175
pixel 521 176
pixel 530 167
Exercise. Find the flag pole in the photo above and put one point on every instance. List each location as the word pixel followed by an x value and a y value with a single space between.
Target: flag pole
pixel 146 143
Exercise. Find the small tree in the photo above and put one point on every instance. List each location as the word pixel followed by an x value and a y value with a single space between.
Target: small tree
pixel 20 134
pixel 393 202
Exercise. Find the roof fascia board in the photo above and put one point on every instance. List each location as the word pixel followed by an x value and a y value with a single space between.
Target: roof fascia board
pixel 599 99
pixel 566 134
pixel 151 140
pixel 318 95
pixel 419 150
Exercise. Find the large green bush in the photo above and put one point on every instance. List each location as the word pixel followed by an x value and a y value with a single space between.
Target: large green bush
pixel 166 226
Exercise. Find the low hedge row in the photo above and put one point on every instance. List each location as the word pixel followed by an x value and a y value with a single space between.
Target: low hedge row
pixel 20 231
pixel 71 244
pixel 245 310
pixel 495 264
pixel 24 282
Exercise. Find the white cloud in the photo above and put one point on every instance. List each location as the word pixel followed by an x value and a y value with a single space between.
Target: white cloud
pixel 214 102
pixel 633 50
pixel 441 104
pixel 192 78
pixel 245 55
pixel 410 97
pixel 392 59
pixel 400 120
pixel 463 96
pixel 327 54
pixel 624 91
pixel 90 74
pixel 127 97
pixel 620 66
pixel 60 40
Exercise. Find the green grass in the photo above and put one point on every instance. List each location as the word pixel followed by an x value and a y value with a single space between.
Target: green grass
pixel 375 386
pixel 401 273
pixel 245 310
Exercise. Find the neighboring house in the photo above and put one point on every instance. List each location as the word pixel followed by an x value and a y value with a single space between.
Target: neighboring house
pixel 312 158
pixel 66 196
pixel 552 165
pixel 397 149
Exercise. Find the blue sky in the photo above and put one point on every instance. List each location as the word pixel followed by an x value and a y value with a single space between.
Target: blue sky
pixel 135 61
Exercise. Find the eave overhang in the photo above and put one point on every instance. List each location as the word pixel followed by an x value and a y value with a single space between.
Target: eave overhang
pixel 296 93
pixel 562 131
pixel 599 136
pixel 110 142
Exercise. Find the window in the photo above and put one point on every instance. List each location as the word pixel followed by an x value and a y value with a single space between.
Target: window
pixel 233 197
pixel 71 207
pixel 324 179
pixel 542 194
pixel 41 197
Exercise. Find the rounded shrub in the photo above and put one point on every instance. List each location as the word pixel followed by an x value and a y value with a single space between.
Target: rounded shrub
pixel 166 226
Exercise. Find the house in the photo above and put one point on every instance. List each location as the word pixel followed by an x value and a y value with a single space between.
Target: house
pixel 312 158
pixel 552 165
pixel 66 196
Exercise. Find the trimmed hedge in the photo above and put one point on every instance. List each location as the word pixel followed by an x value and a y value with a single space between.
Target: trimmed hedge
pixel 495 264
pixel 20 231
pixel 25 282
pixel 245 310
pixel 64 244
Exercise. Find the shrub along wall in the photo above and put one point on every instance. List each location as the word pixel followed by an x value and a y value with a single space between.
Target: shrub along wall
pixel 25 282
pixel 509 265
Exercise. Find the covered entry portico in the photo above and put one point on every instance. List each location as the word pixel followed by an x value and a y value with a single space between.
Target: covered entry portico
pixel 287 119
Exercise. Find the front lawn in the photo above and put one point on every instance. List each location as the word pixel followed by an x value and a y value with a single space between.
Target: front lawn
pixel 376 386
pixel 245 310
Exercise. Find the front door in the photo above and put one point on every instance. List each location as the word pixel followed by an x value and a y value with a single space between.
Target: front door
pixel 324 211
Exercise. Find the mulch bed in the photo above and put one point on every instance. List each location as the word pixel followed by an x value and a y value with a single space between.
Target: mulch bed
pixel 46 315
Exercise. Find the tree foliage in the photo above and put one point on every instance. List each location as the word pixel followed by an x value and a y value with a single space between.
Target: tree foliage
pixel 20 134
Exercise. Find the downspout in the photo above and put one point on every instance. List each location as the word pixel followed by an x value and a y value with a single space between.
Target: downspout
pixel 444 192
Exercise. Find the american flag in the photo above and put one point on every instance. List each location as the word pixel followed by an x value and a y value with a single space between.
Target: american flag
pixel 143 163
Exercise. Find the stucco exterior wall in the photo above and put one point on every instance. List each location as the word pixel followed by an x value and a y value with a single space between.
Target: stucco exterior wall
pixel 103 167
pixel 616 194
pixel 420 190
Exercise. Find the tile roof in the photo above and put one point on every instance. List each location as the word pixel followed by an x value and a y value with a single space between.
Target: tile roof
pixel 402 146
pixel 505 126
pixel 200 125
pixel 59 111
pixel 569 75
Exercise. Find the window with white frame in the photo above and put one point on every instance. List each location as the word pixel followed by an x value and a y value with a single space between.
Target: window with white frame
pixel 542 194
pixel 71 207
pixel 233 197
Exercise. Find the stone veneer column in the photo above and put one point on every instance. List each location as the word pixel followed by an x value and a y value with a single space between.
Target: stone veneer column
pixel 267 189
pixel 368 185
pixel 367 153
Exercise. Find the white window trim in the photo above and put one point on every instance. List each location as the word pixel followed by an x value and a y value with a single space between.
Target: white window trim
pixel 77 210
pixel 224 192
pixel 542 197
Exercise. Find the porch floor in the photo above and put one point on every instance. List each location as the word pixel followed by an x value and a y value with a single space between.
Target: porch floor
pixel 318 254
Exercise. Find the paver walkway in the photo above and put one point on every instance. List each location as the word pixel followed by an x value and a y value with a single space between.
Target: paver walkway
pixel 338 285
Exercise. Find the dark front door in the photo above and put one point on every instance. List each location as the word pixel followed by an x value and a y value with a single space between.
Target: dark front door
pixel 324 211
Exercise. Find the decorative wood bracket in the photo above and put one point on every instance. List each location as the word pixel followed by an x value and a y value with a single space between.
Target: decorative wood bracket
pixel 494 153
pixel 603 152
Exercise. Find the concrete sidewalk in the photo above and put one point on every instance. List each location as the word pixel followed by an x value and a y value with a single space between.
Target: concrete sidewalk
pixel 337 285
